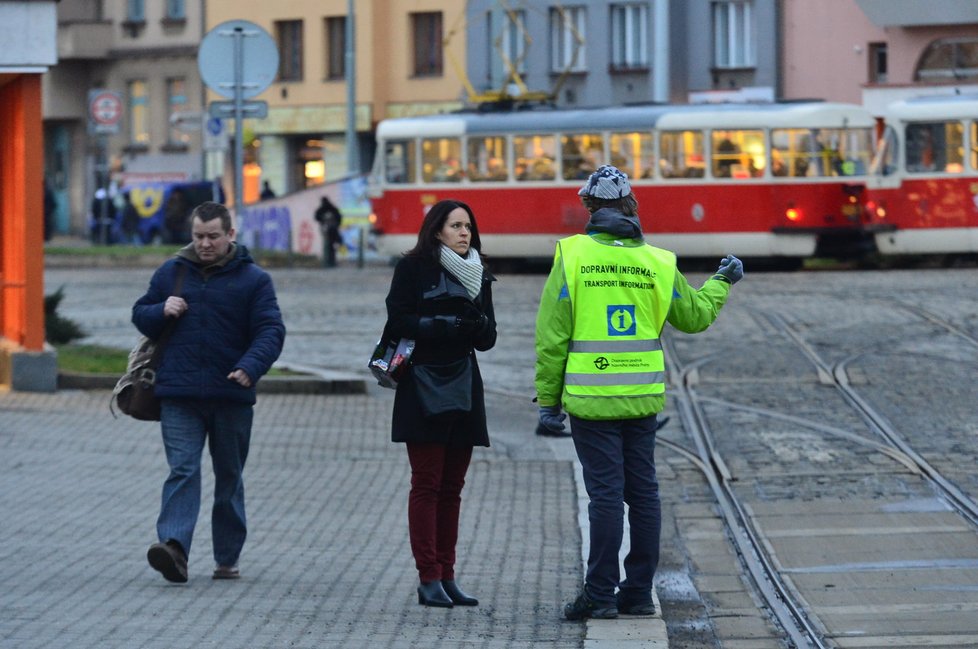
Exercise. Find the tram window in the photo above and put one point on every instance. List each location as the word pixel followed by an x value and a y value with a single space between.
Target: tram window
pixel 681 154
pixel 633 153
pixel 487 159
pixel 533 157
pixel 974 144
pixel 581 155
pixel 935 146
pixel 738 154
pixel 399 161
pixel 441 160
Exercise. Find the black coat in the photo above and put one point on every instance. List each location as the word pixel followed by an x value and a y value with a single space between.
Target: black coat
pixel 422 288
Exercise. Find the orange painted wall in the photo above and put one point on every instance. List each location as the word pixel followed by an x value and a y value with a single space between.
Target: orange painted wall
pixel 21 213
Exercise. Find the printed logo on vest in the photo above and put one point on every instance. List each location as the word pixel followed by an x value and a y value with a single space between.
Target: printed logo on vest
pixel 601 363
pixel 621 319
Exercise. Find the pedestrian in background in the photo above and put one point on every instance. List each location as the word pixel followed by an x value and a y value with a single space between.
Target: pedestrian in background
pixel 266 191
pixel 441 297
pixel 329 218
pixel 228 332
pixel 599 356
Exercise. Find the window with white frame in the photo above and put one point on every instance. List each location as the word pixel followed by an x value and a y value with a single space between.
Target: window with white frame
pixel 567 38
pixel 629 36
pixel 733 34
pixel 514 39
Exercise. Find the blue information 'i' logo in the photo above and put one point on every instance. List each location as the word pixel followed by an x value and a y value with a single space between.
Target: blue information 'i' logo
pixel 621 319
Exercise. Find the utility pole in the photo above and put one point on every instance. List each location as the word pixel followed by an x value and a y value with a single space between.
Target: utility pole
pixel 349 60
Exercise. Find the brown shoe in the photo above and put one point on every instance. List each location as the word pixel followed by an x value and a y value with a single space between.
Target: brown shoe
pixel 169 559
pixel 226 572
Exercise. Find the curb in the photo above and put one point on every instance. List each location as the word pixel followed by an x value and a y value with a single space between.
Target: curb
pixel 267 385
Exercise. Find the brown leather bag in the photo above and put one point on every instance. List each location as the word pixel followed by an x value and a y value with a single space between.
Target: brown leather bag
pixel 135 391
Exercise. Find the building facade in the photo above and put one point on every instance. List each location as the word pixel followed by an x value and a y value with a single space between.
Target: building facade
pixel 609 52
pixel 399 68
pixel 145 54
pixel 873 52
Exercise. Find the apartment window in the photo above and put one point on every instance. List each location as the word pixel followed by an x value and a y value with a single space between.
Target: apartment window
pixel 136 11
pixel 336 47
pixel 567 38
pixel 427 35
pixel 138 117
pixel 176 10
pixel 629 36
pixel 289 36
pixel 176 99
pixel 514 40
pixel 877 62
pixel 733 35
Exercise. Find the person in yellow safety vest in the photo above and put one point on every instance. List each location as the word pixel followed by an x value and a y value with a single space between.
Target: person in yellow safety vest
pixel 599 356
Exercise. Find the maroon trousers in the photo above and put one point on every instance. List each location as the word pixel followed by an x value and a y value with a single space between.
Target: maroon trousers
pixel 437 478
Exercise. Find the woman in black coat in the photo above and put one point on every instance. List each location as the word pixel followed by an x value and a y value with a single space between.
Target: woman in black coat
pixel 441 297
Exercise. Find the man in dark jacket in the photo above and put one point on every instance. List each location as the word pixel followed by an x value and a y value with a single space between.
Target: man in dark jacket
pixel 227 332
pixel 329 218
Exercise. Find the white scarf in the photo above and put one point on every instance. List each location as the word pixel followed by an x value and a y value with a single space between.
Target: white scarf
pixel 467 269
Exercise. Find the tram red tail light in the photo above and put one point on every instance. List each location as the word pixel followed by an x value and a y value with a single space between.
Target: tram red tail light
pixel 793 214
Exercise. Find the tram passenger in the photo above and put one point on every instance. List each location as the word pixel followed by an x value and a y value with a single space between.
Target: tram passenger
pixel 603 308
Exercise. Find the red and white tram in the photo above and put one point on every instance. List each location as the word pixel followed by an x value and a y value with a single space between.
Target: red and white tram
pixel 779 180
pixel 923 196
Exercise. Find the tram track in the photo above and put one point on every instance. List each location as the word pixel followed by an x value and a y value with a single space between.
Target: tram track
pixel 800 626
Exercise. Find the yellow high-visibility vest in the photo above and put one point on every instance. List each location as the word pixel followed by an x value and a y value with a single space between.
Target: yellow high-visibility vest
pixel 620 296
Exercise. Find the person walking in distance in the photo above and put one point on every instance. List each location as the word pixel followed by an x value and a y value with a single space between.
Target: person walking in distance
pixel 329 218
pixel 228 332
pixel 441 297
pixel 599 357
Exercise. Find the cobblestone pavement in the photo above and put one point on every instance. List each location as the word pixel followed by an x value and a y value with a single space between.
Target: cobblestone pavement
pixel 327 562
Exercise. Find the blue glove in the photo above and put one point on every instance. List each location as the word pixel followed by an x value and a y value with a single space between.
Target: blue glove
pixel 552 419
pixel 731 270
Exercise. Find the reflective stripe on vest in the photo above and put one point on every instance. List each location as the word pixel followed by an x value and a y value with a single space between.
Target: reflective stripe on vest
pixel 620 296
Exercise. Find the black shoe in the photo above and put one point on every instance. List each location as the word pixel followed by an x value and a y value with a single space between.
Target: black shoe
pixel 626 607
pixel 170 559
pixel 458 597
pixel 543 431
pixel 432 594
pixel 585 607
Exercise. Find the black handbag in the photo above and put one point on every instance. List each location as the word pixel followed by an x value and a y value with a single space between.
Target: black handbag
pixel 443 389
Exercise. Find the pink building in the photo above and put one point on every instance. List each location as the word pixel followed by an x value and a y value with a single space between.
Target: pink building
pixel 872 52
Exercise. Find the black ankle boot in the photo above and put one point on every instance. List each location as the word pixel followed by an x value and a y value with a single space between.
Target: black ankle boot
pixel 456 594
pixel 432 594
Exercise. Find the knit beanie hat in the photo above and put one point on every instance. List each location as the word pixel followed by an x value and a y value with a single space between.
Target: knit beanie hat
pixel 607 183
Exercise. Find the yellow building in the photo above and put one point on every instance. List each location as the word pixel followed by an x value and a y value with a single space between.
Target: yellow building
pixel 400 67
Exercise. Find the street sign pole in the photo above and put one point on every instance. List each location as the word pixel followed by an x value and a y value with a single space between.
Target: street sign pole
pixel 238 35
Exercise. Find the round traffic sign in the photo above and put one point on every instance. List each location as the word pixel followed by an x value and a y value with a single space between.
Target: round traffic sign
pixel 106 108
pixel 216 58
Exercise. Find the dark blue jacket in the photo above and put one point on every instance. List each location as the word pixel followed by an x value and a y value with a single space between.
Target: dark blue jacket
pixel 232 321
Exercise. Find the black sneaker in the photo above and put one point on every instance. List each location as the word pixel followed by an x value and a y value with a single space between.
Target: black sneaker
pixel 635 608
pixel 585 607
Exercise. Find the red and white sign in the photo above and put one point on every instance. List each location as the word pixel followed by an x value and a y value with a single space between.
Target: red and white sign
pixel 104 111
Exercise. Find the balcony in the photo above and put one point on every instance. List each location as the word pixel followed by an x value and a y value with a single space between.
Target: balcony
pixel 84 40
pixel 914 13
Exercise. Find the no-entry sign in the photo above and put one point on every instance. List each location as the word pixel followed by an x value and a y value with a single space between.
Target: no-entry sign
pixel 104 111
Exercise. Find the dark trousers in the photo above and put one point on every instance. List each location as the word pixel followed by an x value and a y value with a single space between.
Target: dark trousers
pixel 437 477
pixel 618 461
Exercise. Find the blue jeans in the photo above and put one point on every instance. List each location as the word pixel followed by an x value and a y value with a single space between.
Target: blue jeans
pixel 226 425
pixel 618 462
